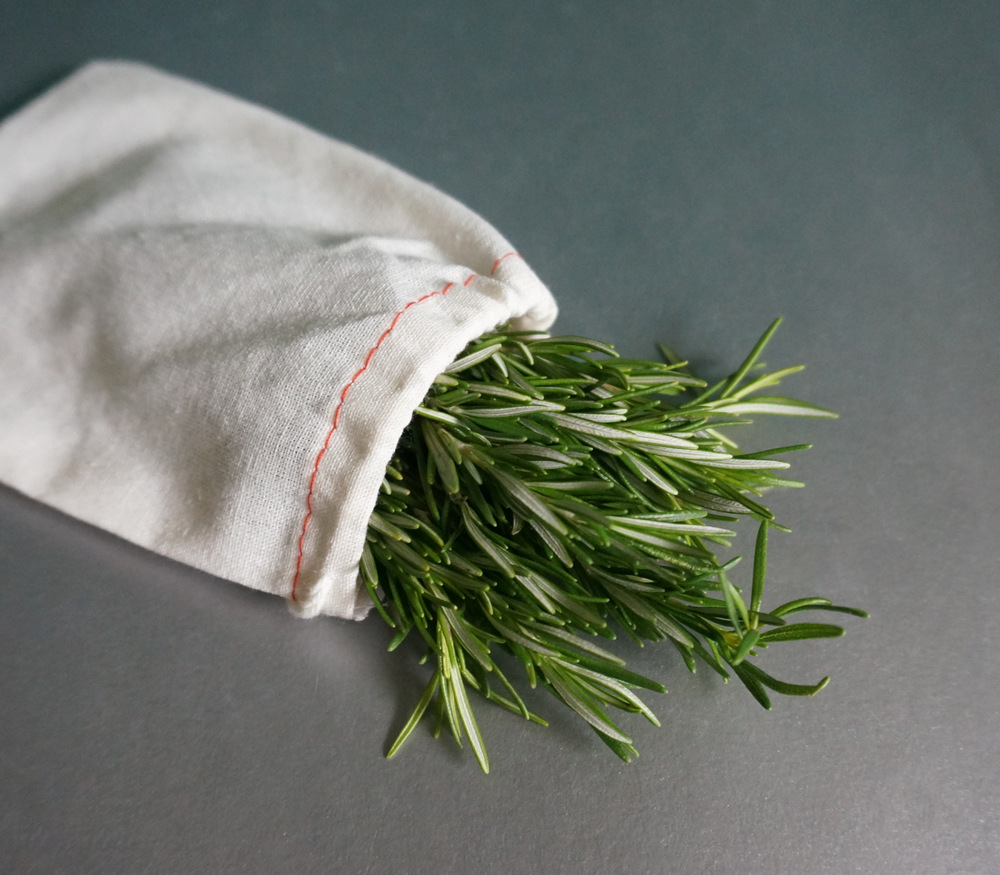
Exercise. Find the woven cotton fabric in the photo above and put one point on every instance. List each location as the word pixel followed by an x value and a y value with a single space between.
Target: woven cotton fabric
pixel 216 324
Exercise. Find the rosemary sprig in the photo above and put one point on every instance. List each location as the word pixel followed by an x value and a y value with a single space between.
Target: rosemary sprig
pixel 548 493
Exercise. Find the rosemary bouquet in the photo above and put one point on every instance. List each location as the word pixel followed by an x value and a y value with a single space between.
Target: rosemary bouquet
pixel 548 494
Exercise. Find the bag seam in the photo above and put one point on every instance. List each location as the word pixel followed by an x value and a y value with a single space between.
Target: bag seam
pixel 344 393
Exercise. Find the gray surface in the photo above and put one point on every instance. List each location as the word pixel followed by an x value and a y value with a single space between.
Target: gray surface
pixel 681 172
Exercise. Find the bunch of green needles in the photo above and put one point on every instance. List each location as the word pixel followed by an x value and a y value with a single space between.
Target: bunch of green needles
pixel 548 494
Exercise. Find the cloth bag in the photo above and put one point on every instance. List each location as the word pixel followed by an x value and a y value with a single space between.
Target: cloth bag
pixel 215 324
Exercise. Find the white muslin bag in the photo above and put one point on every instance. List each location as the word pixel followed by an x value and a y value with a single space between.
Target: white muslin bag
pixel 215 324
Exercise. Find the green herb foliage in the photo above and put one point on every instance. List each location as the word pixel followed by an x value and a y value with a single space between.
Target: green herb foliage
pixel 548 494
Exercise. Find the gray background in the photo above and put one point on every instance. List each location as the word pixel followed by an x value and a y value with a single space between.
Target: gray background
pixel 680 172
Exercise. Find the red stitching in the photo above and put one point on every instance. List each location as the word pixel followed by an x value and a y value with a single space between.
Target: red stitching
pixel 343 398
pixel 496 263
